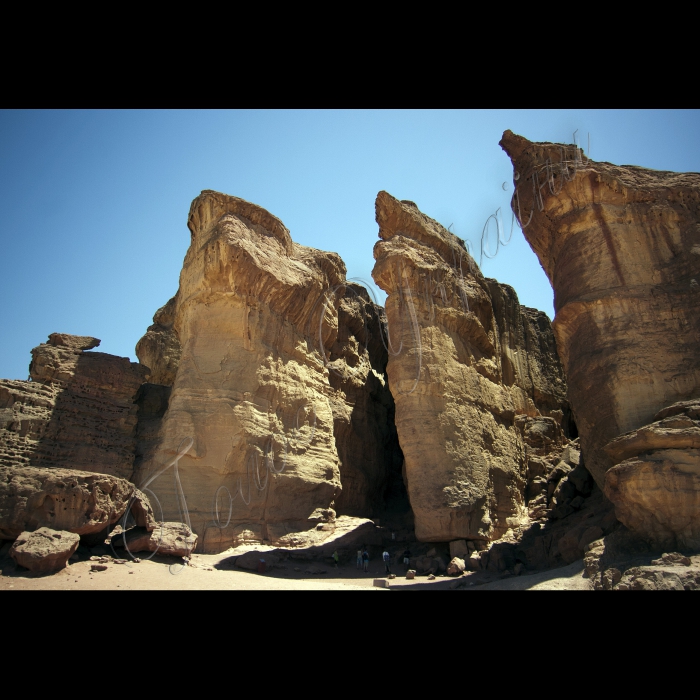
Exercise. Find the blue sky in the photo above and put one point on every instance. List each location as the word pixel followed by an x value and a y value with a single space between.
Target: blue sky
pixel 95 202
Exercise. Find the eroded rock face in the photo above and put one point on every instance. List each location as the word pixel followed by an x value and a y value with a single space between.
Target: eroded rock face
pixel 250 416
pixel 44 550
pixel 655 480
pixel 167 539
pixel 465 359
pixel 621 248
pixel 363 410
pixel 76 413
pixel 160 348
pixel 84 503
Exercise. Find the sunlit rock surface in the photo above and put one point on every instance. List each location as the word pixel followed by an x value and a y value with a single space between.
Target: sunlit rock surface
pixel 465 359
pixel 621 247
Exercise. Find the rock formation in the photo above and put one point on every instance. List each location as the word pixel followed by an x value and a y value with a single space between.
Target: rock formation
pixel 468 366
pixel 247 445
pixel 84 503
pixel 76 413
pixel 160 348
pixel 363 410
pixel 44 550
pixel 621 248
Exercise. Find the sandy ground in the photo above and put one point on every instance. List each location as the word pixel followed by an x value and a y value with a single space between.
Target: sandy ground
pixel 214 572
pixel 567 578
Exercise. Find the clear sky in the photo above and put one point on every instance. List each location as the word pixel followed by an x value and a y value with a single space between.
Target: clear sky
pixel 94 203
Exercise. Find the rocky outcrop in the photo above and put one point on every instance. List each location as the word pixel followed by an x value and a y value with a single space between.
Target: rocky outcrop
pixel 363 410
pixel 160 348
pixel 621 247
pixel 84 503
pixel 655 478
pixel 76 413
pixel 44 550
pixel 166 539
pixel 466 362
pixel 247 443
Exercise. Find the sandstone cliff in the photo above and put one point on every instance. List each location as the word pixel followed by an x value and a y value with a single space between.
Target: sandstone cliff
pixel 76 413
pixel 266 378
pixel 465 360
pixel 160 348
pixel 363 411
pixel 621 248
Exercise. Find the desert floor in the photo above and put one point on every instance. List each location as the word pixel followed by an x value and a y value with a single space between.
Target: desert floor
pixel 216 572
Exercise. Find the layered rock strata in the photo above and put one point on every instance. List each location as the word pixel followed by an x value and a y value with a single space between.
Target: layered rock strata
pixel 655 478
pixel 465 360
pixel 363 410
pixel 621 248
pixel 78 411
pixel 246 447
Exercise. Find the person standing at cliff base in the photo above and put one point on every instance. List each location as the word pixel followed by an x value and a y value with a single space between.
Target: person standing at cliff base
pixel 387 560
pixel 365 559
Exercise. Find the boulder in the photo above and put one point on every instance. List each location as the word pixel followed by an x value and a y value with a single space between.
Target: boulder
pixel 85 503
pixel 44 550
pixel 168 539
pixel 456 567
pixel 658 496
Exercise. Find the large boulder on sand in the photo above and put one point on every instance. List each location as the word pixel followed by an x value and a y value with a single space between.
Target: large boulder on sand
pixel 44 550
pixel 171 539
pixel 84 503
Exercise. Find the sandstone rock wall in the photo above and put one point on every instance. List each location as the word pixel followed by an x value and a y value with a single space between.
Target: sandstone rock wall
pixel 464 360
pixel 621 247
pixel 254 409
pixel 76 413
pixel 363 410
pixel 160 349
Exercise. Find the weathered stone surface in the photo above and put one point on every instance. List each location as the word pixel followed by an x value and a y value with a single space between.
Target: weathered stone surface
pixel 459 548
pixel 655 480
pixel 44 550
pixel 171 539
pixel 620 246
pixel 464 360
pixel 251 416
pixel 77 413
pixel 160 349
pixel 658 496
pixel 456 567
pixel 363 410
pixel 84 503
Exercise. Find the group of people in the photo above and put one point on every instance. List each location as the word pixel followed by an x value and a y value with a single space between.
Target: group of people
pixel 363 559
